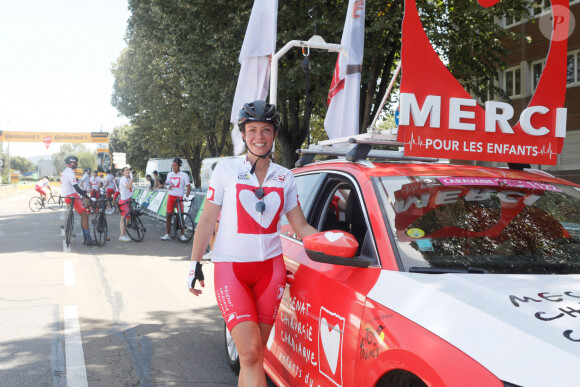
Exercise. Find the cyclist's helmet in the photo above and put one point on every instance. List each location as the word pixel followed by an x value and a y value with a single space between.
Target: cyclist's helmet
pixel 258 111
pixel 88 170
pixel 178 161
pixel 45 177
pixel 108 171
pixel 71 161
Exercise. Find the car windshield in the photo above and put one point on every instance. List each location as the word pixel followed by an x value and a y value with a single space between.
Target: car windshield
pixel 483 224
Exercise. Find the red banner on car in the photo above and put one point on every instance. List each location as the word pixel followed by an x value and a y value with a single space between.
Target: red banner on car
pixel 438 117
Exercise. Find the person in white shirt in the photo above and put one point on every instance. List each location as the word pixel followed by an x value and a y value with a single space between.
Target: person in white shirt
pixel 125 189
pixel 110 185
pixel 177 182
pixel 70 189
pixel 95 183
pixel 252 194
pixel 43 182
pixel 85 180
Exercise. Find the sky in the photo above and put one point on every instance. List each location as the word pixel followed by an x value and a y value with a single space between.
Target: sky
pixel 55 67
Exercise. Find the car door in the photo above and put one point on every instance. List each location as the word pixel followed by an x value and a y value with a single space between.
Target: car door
pixel 314 339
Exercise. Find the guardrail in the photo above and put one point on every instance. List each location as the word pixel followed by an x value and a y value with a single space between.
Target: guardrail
pixel 154 202
pixel 8 190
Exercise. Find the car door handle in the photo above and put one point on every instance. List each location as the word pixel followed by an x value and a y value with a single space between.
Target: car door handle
pixel 289 277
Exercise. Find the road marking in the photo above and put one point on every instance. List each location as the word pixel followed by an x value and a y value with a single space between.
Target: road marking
pixel 64 248
pixel 69 274
pixel 76 373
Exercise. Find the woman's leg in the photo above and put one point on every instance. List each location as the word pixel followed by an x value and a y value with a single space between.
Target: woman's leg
pixel 250 345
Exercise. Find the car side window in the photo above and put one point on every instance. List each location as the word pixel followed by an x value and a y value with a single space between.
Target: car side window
pixel 340 207
pixel 306 186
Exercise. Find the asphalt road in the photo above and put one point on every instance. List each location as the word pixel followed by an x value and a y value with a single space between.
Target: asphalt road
pixel 118 315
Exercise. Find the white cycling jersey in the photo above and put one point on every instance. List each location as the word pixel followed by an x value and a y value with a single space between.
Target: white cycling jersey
pixel 109 181
pixel 85 182
pixel 68 180
pixel 177 183
pixel 245 234
pixel 95 182
pixel 42 183
pixel 125 192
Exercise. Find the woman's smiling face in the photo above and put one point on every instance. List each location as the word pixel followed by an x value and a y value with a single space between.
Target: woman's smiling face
pixel 259 137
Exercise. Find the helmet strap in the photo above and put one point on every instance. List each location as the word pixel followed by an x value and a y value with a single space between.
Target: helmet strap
pixel 258 159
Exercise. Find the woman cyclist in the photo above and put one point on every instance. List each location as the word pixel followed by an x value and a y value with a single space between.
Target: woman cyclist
pixel 39 187
pixel 252 194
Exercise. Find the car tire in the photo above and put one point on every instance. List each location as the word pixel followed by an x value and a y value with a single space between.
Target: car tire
pixel 231 351
pixel 400 378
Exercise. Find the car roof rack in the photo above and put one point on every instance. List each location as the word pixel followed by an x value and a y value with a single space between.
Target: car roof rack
pixel 360 149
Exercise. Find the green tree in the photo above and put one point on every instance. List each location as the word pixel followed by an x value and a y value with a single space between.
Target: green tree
pixel 176 79
pixel 87 159
pixel 22 164
pixel 128 140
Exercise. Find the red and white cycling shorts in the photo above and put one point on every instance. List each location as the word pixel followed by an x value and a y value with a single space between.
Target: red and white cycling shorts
pixel 250 291
pixel 110 192
pixel 116 195
pixel 171 203
pixel 124 206
pixel 39 190
pixel 95 193
pixel 78 204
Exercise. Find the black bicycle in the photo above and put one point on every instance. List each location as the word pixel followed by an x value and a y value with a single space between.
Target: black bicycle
pixel 70 220
pixel 54 202
pixel 132 222
pixel 181 221
pixel 100 229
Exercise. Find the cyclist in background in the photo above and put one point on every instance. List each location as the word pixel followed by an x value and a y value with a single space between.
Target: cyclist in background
pixel 95 183
pixel 125 188
pixel 70 188
pixel 176 183
pixel 111 186
pixel 118 184
pixel 39 187
pixel 85 180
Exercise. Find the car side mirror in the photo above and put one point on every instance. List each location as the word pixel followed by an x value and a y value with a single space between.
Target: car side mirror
pixel 335 247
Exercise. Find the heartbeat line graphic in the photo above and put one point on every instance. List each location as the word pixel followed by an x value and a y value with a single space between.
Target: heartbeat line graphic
pixel 413 142
pixel 548 151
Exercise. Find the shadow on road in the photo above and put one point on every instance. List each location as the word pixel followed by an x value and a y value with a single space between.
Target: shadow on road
pixel 168 349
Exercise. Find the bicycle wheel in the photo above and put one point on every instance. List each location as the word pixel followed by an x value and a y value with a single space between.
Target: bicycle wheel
pixel 100 229
pixel 53 204
pixel 134 227
pixel 188 230
pixel 69 226
pixel 35 204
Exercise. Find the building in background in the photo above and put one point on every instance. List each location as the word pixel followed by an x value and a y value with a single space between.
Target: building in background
pixel 524 64
pixel 46 168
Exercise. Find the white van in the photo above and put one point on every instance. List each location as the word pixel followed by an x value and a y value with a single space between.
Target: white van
pixel 163 167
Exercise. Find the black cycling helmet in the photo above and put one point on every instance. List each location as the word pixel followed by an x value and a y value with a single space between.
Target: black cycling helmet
pixel 108 171
pixel 45 177
pixel 178 161
pixel 88 170
pixel 258 111
pixel 71 161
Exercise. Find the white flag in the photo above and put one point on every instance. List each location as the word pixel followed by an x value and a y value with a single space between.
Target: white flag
pixel 342 116
pixel 254 79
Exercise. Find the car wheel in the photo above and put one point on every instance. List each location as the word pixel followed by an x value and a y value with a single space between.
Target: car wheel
pixel 400 378
pixel 231 351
